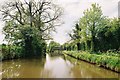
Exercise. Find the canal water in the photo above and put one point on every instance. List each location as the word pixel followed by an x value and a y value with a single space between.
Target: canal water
pixel 53 67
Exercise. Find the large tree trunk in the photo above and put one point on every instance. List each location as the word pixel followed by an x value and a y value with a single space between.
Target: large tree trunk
pixel 86 45
pixel 93 38
pixel 93 44
pixel 28 47
pixel 78 46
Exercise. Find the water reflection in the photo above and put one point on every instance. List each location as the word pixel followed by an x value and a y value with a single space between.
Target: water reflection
pixel 22 68
pixel 11 69
pixel 57 67
pixel 53 67
pixel 85 70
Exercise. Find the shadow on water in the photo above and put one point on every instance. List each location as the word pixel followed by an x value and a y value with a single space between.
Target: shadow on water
pixel 53 67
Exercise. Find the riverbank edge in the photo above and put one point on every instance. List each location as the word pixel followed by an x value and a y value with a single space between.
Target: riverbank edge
pixel 108 62
pixel 16 58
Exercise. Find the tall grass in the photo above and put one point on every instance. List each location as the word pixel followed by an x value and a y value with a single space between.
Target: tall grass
pixel 110 62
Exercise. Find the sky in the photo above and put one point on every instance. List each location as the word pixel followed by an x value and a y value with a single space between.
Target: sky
pixel 73 10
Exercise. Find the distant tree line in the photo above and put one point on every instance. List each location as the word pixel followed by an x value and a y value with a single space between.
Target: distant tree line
pixel 52 46
pixel 95 32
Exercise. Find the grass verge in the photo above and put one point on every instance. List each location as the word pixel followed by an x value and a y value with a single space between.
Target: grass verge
pixel 109 62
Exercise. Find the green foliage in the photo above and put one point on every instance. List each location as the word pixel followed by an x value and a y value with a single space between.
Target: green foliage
pixel 109 36
pixel 70 46
pixel 110 62
pixel 52 45
pixel 10 52
pixel 27 27
pixel 28 40
pixel 95 32
pixel 89 25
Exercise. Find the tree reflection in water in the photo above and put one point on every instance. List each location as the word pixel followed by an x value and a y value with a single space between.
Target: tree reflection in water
pixel 57 67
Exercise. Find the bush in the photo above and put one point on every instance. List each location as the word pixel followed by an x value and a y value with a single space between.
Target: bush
pixel 10 52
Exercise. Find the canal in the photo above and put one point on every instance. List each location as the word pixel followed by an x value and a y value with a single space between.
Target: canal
pixel 53 67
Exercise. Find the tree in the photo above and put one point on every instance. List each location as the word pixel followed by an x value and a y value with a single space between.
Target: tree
pixel 30 22
pixel 109 36
pixel 89 25
pixel 96 32
pixel 76 36
pixel 53 45
pixel 115 30
pixel 94 21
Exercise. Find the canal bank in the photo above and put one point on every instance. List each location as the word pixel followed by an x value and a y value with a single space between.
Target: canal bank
pixel 108 62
